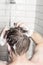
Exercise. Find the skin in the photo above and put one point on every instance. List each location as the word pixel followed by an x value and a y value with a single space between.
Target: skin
pixel 38 57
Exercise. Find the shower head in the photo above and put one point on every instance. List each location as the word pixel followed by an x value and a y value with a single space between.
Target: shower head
pixel 12 2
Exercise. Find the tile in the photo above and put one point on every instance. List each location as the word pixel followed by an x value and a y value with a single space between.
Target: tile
pixel 33 2
pixel 39 15
pixel 2 1
pixel 38 29
pixel 39 2
pixel 20 1
pixel 39 8
pixel 40 23
pixel 36 20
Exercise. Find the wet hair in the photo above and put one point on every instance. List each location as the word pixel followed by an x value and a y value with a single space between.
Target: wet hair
pixel 15 37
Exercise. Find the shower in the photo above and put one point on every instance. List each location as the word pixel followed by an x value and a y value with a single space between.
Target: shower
pixel 10 3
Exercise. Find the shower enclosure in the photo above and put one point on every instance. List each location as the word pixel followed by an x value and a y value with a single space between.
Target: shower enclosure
pixel 29 12
pixel 39 17
pixel 18 11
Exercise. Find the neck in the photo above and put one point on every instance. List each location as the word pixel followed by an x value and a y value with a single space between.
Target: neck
pixel 21 58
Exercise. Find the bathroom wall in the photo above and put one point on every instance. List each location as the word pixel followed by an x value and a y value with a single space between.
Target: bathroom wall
pixel 22 11
pixel 3 18
pixel 39 17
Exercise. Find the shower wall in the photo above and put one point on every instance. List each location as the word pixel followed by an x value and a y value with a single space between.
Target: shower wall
pixel 39 17
pixel 3 18
pixel 22 11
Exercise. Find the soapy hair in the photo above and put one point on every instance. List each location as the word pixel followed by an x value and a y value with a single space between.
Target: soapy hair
pixel 17 40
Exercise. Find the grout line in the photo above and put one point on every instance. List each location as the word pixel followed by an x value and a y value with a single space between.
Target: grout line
pixel 26 4
pixel 39 18
pixel 39 25
pixel 39 12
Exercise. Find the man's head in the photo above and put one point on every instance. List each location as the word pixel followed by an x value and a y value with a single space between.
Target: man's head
pixel 18 42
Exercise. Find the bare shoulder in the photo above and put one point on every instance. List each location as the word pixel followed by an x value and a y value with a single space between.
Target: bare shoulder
pixel 37 38
pixel 38 57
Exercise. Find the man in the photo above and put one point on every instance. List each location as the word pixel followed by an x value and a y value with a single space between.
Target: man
pixel 38 57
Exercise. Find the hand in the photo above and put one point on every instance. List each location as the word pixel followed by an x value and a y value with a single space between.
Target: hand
pixel 3 63
pixel 2 40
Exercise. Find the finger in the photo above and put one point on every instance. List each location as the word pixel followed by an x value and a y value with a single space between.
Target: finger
pixel 3 32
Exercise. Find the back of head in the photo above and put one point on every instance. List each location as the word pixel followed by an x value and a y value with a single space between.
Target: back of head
pixel 18 42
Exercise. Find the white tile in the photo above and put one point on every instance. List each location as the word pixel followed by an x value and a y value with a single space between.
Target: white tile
pixel 39 9
pixel 39 29
pixel 2 1
pixel 20 13
pixel 33 2
pixel 39 2
pixel 36 20
pixel 2 6
pixel 30 14
pixel 2 13
pixel 20 1
pixel 40 23
pixel 39 15
pixel 30 7
pixel 20 7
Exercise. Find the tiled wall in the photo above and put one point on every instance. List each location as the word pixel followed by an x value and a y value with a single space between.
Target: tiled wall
pixel 22 11
pixel 3 18
pixel 4 53
pixel 39 17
